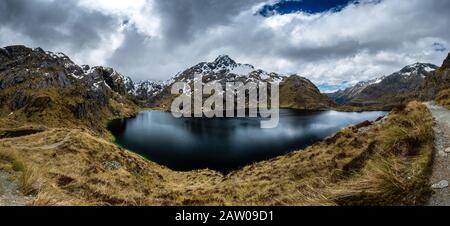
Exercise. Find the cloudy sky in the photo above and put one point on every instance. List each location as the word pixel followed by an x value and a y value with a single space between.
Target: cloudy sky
pixel 334 43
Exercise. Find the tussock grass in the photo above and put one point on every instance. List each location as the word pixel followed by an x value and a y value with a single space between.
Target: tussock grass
pixel 12 158
pixel 28 176
pixel 29 181
pixel 443 98
pixel 397 174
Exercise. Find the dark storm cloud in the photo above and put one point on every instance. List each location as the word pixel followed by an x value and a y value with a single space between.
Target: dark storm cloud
pixel 135 57
pixel 184 19
pixel 53 24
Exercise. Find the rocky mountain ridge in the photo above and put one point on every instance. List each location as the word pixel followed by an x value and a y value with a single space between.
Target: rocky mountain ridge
pixel 343 96
pixel 40 86
pixel 387 90
pixel 224 69
pixel 295 91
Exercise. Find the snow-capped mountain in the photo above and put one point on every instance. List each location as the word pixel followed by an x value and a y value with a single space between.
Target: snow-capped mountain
pixel 341 95
pixel 403 81
pixel 224 69
pixel 417 69
pixel 104 77
pixel 147 89
pixel 100 78
pixel 295 91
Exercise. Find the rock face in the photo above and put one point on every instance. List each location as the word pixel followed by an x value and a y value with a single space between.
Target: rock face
pixel 39 85
pixel 145 90
pixel 40 70
pixel 446 64
pixel 389 90
pixel 295 91
pixel 437 82
pixel 20 64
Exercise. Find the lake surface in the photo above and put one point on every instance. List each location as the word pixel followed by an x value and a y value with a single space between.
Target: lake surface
pixel 225 144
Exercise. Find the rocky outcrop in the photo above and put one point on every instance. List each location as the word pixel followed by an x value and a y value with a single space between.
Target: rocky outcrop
pixel 35 69
pixel 146 90
pixel 109 77
pixel 37 85
pixel 437 82
pixel 446 64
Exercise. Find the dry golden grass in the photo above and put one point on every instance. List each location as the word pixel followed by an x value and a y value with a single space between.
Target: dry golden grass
pixel 443 98
pixel 28 176
pixel 397 172
pixel 381 163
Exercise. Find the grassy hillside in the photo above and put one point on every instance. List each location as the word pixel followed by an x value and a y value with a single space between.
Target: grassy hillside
pixel 385 162
pixel 299 93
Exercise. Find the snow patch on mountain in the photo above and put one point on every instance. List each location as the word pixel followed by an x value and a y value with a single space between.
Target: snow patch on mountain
pixel 242 69
pixel 148 88
pixel 417 69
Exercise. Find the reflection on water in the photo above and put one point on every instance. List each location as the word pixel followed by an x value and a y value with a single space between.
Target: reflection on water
pixel 226 144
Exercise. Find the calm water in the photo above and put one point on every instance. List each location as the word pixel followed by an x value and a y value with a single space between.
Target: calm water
pixel 226 144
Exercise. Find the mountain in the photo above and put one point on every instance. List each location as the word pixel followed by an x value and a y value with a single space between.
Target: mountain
pixel 46 87
pixel 386 91
pixel 41 86
pixel 295 91
pixel 344 96
pixel 437 83
pixel 299 93
pixel 145 91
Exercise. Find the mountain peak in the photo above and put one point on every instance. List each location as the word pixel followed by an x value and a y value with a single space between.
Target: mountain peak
pixel 224 60
pixel 419 66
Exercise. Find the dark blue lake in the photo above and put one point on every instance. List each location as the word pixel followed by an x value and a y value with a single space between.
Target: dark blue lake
pixel 225 144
